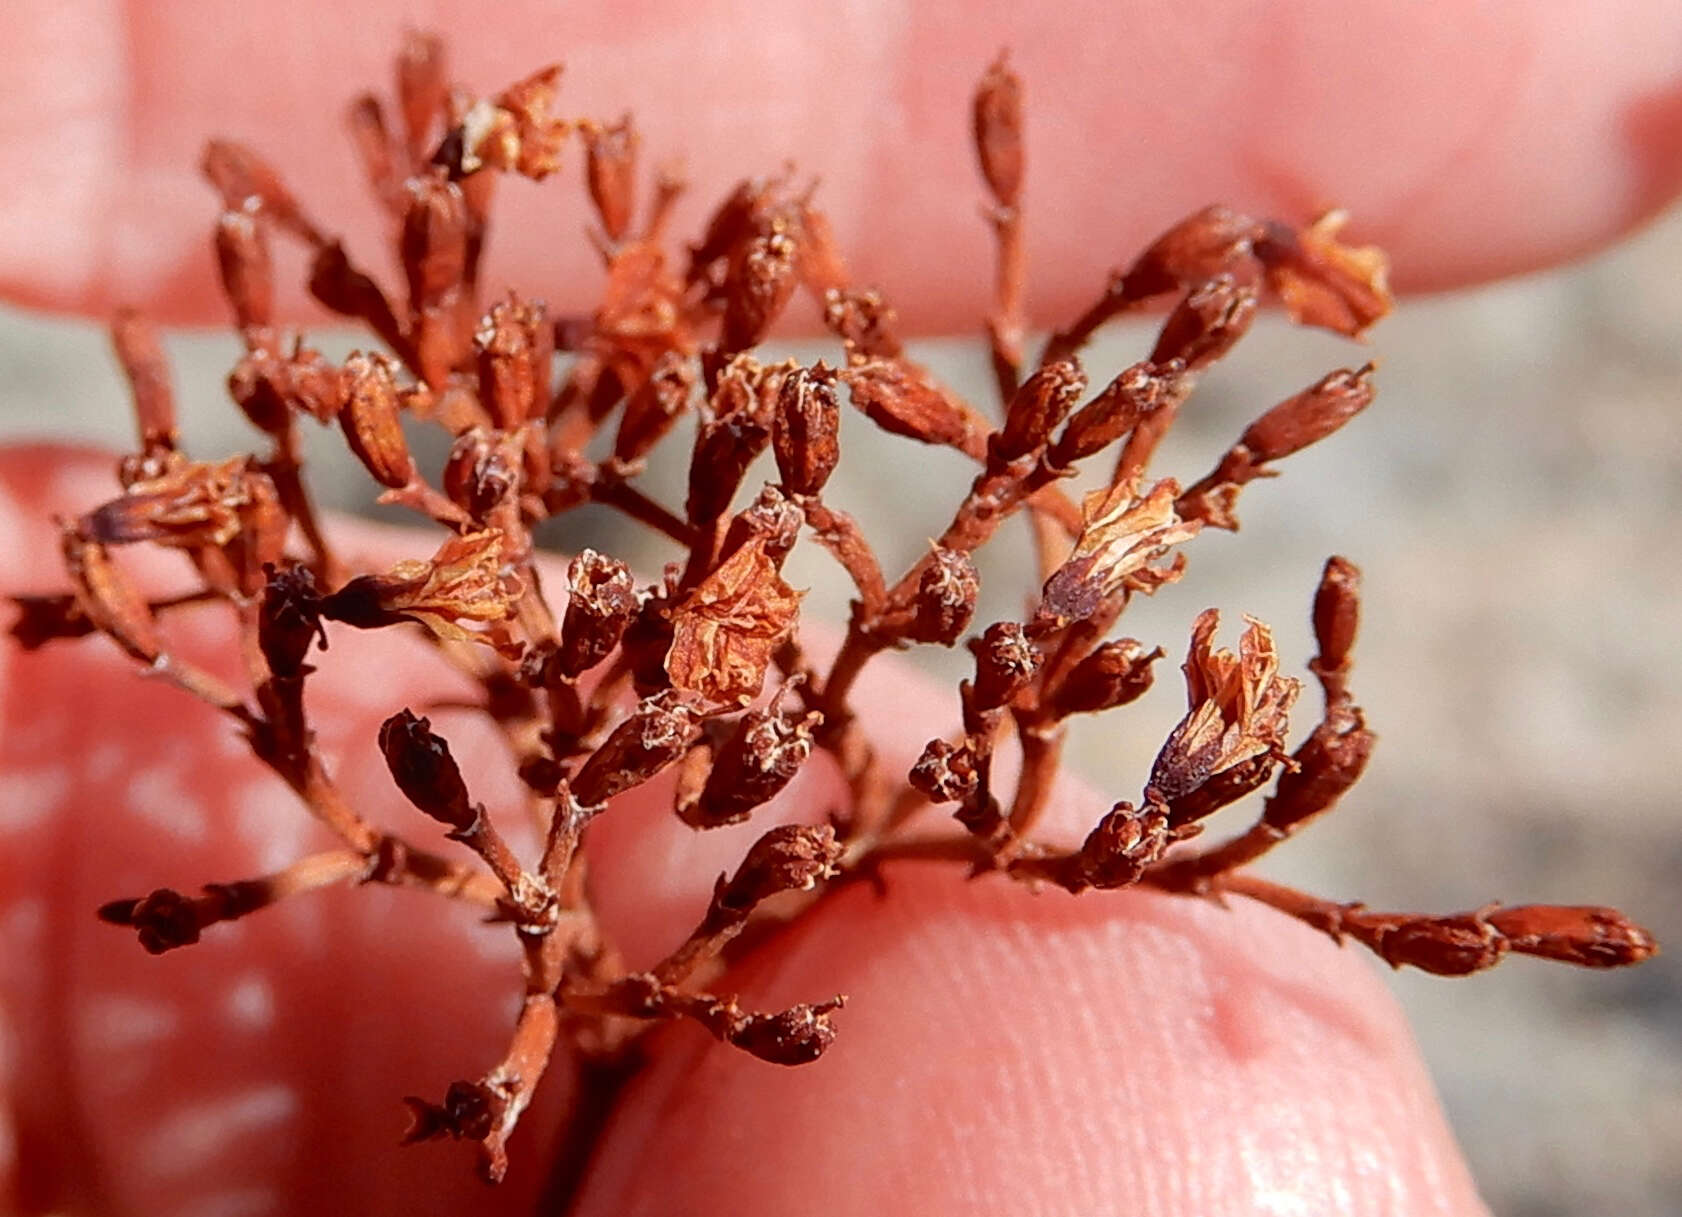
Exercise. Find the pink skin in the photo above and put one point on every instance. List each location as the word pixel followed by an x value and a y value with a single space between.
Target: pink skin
pixel 1001 1051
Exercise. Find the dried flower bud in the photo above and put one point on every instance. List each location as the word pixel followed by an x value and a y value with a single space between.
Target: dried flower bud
pixel 1309 416
pixel 372 419
pixel 997 119
pixel 482 471
pixel 1207 323
pixel 901 399
pixel 822 267
pixel 946 595
pixel 434 239
pixel 1137 393
pixel 864 322
pixel 1589 937
pixel 806 433
pixel 1210 242
pixel 1323 282
pixel 1446 946
pixel 269 387
pixel 426 773
pixel 242 256
pixel 1042 402
pixel 655 405
pixel 796 1036
pixel 754 763
pixel 734 431
pixel 945 773
pixel 1323 768
pixel 422 86
pixel 771 520
pixel 247 182
pixel 763 274
pixel 514 342
pixel 601 600
pixel 1005 661
pixel 1111 675
pixel 656 733
pixel 289 620
pixel 610 169
pixel 166 919
pixel 725 632
pixel 1121 847
pixel 788 858
pixel 1337 614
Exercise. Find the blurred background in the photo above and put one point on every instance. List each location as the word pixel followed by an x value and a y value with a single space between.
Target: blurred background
pixel 1513 499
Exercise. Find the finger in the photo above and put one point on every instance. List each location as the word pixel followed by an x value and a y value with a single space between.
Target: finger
pixel 1470 145
pixel 1003 1051
pixel 266 1064
pixel 262 1069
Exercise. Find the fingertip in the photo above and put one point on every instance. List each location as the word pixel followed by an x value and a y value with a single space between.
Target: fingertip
pixel 1002 1050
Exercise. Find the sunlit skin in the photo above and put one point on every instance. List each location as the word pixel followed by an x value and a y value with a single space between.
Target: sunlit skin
pixel 1001 1051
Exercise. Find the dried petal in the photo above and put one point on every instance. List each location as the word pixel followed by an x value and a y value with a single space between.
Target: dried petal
pixel 1239 707
pixel 1322 281
pixel 725 632
pixel 465 593
pixel 1122 533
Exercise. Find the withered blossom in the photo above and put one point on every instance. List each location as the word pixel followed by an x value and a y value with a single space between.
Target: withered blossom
pixel 599 683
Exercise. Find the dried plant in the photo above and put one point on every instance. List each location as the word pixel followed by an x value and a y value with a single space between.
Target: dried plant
pixel 704 671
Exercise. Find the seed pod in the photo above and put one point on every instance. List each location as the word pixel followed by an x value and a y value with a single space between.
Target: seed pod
pixel 1111 675
pixel 426 773
pixel 1211 242
pixel 514 342
pixel 805 434
pixel 1337 614
pixel 762 276
pixel 901 400
pixel 1136 394
pixel 1588 936
pixel 1309 416
pixel 788 858
pixel 372 420
pixel 657 733
pixel 1207 323
pixel 946 595
pixel 602 600
pixel 1042 402
pixel 1005 661
pixel 759 758
pixel 944 773
pixel 654 407
pixel 796 1036
pixel 480 472
pixel 434 239
pixel 771 520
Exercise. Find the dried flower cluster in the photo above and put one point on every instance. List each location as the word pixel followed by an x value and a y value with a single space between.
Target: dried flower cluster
pixel 704 672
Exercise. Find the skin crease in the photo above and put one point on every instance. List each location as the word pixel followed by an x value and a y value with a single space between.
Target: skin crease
pixel 1000 1051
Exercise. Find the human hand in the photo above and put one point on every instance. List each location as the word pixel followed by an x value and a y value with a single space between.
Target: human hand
pixel 1208 1095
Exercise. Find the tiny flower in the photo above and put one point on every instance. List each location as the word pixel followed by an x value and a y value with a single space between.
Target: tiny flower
pixel 463 593
pixel 1122 533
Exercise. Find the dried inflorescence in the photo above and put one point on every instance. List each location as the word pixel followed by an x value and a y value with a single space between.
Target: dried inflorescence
pixel 704 671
